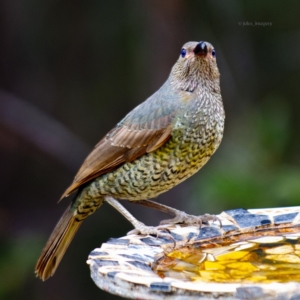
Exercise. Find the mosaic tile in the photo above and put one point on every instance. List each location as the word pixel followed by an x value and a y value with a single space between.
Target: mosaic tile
pixel 227 228
pixel 208 232
pixel 251 220
pixel 191 235
pixel 150 241
pixel 140 265
pixel 177 237
pixel 137 257
pixel 98 253
pixel 160 287
pixel 237 211
pixel 101 262
pixel 268 240
pixel 118 241
pixel 285 218
pixel 111 274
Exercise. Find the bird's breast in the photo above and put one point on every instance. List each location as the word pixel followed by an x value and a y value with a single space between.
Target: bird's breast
pixel 195 136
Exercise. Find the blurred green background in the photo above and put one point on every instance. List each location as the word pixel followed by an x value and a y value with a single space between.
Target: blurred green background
pixel 70 70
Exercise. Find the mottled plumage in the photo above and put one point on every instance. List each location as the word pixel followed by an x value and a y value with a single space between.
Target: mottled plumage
pixel 160 143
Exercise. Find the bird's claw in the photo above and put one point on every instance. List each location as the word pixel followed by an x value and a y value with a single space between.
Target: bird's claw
pixel 142 229
pixel 182 217
pixel 207 217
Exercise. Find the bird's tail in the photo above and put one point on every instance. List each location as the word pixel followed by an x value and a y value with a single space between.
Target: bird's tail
pixel 57 244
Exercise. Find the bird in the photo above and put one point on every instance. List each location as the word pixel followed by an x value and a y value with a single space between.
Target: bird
pixel 160 143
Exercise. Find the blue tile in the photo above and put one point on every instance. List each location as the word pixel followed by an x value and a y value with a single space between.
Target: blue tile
pixel 118 241
pixel 138 247
pixel 191 235
pixel 135 257
pixel 165 240
pixel 238 211
pixel 111 274
pixel 285 218
pixel 151 241
pixel 140 265
pixel 251 220
pixel 228 228
pixel 102 262
pixel 98 253
pixel 176 236
pixel 95 269
pixel 251 292
pixel 160 287
pixel 296 296
pixel 208 232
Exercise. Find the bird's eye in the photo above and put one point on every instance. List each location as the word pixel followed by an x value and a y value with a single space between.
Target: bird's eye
pixel 213 52
pixel 183 52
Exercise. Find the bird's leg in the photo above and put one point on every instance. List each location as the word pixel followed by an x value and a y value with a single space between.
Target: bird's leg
pixel 140 228
pixel 160 207
pixel 179 216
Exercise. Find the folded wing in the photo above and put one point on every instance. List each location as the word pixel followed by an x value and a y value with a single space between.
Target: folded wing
pixel 143 130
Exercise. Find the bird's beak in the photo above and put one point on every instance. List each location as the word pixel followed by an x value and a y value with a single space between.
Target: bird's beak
pixel 201 49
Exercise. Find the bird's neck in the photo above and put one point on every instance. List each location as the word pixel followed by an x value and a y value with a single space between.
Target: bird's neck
pixel 196 83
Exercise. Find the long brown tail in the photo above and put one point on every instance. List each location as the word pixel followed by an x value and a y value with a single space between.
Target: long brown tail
pixel 57 245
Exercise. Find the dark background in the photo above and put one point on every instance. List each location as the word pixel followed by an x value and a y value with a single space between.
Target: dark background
pixel 70 70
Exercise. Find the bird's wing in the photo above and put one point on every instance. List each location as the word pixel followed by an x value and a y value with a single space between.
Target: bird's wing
pixel 143 130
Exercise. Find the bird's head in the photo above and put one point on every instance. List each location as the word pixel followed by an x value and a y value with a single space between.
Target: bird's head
pixel 196 64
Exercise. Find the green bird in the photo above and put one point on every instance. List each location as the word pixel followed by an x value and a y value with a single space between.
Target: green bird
pixel 159 144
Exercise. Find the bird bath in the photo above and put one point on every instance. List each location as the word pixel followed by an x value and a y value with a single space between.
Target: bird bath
pixel 256 254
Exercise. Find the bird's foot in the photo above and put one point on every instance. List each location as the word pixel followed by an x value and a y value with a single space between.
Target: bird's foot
pixel 142 229
pixel 182 217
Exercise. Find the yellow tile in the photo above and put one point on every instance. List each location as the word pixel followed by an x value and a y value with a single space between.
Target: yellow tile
pixel 285 249
pixel 256 279
pixel 251 256
pixel 179 254
pixel 232 255
pixel 211 265
pixel 237 273
pixel 195 258
pixel 216 276
pixel 286 266
pixel 265 267
pixel 290 258
pixel 181 266
pixel 242 266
